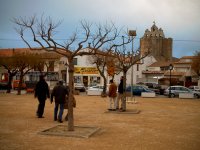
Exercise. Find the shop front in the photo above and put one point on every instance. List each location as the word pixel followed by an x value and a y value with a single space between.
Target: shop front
pixel 87 75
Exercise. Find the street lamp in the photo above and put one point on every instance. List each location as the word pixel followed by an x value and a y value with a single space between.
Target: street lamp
pixel 170 69
pixel 132 33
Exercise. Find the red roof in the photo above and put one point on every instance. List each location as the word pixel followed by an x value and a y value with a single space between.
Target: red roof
pixel 189 57
pixel 161 64
pixel 10 52
pixel 174 73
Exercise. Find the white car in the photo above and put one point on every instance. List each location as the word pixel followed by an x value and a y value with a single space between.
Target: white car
pixel 194 88
pixel 79 86
pixel 173 91
pixel 95 90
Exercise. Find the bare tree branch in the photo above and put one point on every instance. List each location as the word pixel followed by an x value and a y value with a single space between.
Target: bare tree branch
pixel 43 31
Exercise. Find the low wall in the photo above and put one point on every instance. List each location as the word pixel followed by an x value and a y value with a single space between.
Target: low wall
pixel 186 95
pixel 147 94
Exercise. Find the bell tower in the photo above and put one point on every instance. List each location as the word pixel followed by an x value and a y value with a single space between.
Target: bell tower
pixel 155 41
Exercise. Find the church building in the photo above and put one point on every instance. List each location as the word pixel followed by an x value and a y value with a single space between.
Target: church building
pixel 155 41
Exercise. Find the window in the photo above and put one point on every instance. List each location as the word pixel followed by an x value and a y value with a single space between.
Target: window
pixel 137 77
pixel 184 89
pixel 134 87
pixel 77 79
pixel 75 61
pixel 140 88
pixel 52 76
pixel 51 65
pixel 172 88
pixel 94 80
pixel 177 88
pixel 162 68
pixel 137 67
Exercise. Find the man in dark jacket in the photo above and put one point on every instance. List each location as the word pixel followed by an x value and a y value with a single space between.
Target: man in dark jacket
pixel 120 95
pixel 41 92
pixel 59 92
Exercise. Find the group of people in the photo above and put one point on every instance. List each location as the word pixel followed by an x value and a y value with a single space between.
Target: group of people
pixel 59 93
pixel 115 98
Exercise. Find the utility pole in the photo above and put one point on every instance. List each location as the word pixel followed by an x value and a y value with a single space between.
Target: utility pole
pixel 132 33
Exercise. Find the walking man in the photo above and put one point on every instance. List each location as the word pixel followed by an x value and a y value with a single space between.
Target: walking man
pixel 59 92
pixel 42 93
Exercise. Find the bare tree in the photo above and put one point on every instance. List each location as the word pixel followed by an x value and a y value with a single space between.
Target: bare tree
pixel 112 69
pixel 43 31
pixel 126 59
pixel 9 64
pixel 24 62
pixel 101 62
pixel 105 63
pixel 44 60
pixel 18 63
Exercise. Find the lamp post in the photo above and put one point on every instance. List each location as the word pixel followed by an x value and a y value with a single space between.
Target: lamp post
pixel 170 69
pixel 132 33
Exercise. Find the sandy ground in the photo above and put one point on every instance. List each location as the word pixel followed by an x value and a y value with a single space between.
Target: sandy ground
pixel 162 124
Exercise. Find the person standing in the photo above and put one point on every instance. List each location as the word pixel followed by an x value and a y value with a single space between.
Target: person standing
pixel 112 93
pixel 59 92
pixel 42 93
pixel 120 95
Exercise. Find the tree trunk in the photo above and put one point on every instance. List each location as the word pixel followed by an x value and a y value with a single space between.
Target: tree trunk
pixel 20 84
pixel 104 94
pixel 124 90
pixel 9 87
pixel 71 95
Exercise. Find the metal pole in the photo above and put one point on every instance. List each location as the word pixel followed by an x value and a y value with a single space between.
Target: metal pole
pixel 132 75
pixel 132 33
pixel 66 77
pixel 170 82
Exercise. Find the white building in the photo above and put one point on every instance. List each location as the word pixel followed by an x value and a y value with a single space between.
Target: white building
pixel 87 73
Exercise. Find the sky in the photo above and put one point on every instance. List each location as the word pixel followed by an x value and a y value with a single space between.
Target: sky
pixel 179 19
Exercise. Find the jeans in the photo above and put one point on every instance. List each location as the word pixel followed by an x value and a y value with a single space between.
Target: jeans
pixel 56 115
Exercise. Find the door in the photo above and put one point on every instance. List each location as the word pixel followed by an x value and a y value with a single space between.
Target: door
pixel 85 81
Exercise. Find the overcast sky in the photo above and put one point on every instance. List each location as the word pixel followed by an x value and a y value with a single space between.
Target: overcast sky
pixel 179 19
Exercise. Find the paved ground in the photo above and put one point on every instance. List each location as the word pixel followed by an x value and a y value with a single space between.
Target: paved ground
pixel 162 124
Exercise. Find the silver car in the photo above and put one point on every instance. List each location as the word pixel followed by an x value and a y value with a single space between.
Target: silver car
pixel 94 90
pixel 194 88
pixel 79 86
pixel 175 90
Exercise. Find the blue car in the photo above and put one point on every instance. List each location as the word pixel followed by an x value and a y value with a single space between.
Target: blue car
pixel 137 89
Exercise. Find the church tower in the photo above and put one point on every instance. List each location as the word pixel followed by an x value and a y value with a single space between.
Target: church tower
pixel 155 41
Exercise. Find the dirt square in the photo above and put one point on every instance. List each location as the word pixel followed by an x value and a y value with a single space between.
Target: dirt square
pixel 162 124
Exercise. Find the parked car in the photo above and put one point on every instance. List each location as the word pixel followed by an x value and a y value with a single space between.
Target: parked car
pixel 194 88
pixel 3 86
pixel 176 90
pixel 80 87
pixel 95 90
pixel 30 86
pixel 152 86
pixel 138 89
pixel 16 84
